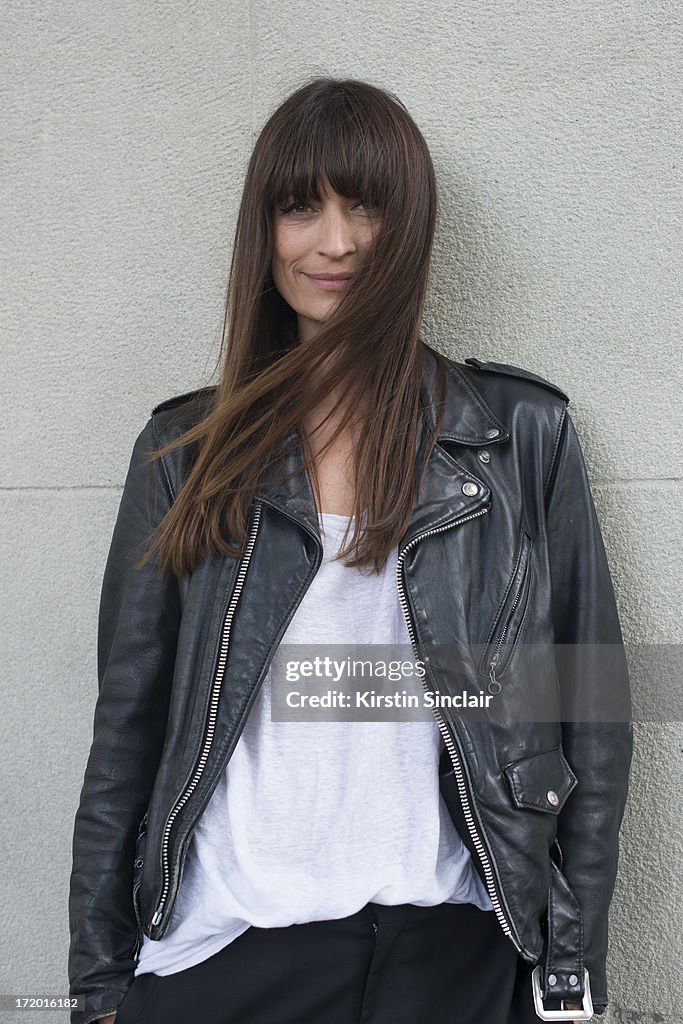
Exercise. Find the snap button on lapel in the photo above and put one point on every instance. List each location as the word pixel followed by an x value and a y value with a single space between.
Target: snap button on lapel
pixel 552 979
pixel 492 432
pixel 484 456
pixel 573 979
pixel 552 797
pixel 470 489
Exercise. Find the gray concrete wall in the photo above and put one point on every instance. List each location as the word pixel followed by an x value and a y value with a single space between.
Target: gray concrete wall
pixel 555 130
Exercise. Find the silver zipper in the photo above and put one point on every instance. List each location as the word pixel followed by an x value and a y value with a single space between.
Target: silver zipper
pixel 213 712
pixel 451 747
pixel 494 685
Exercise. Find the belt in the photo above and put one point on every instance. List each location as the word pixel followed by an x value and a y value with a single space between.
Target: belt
pixel 561 974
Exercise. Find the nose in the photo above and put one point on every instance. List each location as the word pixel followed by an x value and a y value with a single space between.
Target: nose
pixel 335 234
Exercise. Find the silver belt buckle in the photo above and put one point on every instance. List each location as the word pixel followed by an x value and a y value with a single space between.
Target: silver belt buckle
pixel 585 1013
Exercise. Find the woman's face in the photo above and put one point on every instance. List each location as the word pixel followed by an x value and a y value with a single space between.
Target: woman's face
pixel 318 247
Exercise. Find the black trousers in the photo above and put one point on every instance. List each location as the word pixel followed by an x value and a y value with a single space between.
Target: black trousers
pixel 447 964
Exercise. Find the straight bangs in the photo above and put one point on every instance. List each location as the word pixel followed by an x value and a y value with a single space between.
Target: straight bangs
pixel 341 143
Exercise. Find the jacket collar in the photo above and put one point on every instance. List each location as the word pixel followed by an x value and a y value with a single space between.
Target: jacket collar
pixel 468 420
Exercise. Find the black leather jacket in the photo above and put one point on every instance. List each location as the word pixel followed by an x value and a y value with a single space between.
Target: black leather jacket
pixel 503 550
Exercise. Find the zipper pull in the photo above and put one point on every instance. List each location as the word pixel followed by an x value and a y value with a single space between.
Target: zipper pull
pixel 157 914
pixel 494 686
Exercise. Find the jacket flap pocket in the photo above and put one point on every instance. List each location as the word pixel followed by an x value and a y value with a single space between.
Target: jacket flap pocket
pixel 542 782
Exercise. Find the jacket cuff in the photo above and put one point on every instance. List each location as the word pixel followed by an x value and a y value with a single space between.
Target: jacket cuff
pixel 98 1004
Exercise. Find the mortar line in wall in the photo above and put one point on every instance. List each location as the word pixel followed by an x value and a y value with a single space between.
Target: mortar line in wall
pixel 67 487
pixel 619 482
pixel 622 481
pixel 252 56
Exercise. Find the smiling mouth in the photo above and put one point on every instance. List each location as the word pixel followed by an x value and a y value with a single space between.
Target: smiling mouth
pixel 329 282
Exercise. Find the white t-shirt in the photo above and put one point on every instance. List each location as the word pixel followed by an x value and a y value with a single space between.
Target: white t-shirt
pixel 312 820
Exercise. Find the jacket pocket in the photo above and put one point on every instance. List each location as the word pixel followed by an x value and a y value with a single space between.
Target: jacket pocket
pixel 541 782
pixel 500 643
pixel 137 878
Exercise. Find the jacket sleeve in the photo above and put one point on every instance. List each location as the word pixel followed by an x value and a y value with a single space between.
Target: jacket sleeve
pixel 595 696
pixel 138 622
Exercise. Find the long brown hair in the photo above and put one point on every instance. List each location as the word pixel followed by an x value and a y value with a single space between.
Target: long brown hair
pixel 359 139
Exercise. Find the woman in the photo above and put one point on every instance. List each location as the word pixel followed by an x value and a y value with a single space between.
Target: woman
pixel 344 484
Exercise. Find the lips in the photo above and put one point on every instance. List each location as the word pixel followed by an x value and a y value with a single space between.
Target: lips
pixel 331 277
pixel 330 282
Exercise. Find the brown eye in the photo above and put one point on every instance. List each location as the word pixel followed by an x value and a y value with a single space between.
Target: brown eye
pixel 292 207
